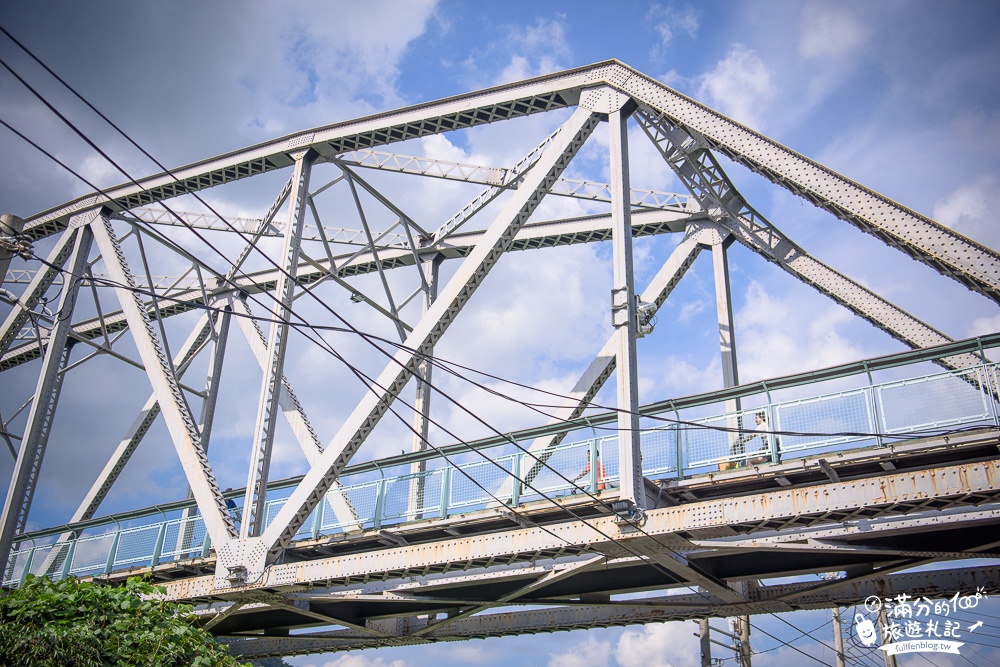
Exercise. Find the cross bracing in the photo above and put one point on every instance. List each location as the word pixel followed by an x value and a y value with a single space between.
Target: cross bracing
pixel 335 232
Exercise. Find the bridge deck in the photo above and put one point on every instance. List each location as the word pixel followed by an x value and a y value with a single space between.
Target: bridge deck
pixel 872 479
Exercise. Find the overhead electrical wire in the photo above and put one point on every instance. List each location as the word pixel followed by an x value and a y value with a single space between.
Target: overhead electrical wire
pixel 366 336
pixel 365 379
pixel 449 367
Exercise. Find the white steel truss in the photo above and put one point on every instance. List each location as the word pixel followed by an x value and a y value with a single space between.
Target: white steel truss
pixel 440 578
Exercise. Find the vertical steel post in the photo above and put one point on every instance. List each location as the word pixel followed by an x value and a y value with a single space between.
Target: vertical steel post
pixel 277 342
pixel 379 504
pixel 445 490
pixel 422 401
pixel 623 314
pixel 727 339
pixel 27 567
pixel 876 419
pixel 67 565
pixel 10 225
pixel 109 564
pixel 317 520
pixel 595 464
pixel 39 424
pixel 724 309
pixel 516 480
pixel 161 536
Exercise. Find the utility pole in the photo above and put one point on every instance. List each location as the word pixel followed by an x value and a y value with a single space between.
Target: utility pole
pixel 838 639
pixel 883 624
pixel 743 624
pixel 704 633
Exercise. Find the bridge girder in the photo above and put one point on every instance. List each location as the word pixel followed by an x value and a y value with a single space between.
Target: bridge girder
pixel 574 554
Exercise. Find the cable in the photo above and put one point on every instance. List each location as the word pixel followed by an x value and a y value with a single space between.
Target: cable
pixel 368 379
pixel 801 635
pixel 784 643
pixel 389 408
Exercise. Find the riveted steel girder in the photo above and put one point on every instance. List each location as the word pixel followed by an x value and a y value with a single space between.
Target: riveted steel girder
pixel 497 239
pixel 946 251
pixel 965 485
pixel 183 430
pixel 536 235
pixel 703 175
pixel 629 612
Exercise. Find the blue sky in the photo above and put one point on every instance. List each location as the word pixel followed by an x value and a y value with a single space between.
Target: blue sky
pixel 900 96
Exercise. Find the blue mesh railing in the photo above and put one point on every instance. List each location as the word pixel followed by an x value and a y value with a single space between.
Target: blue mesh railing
pixel 854 418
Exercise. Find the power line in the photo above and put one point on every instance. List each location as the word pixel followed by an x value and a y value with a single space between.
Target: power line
pixel 363 377
pixel 784 643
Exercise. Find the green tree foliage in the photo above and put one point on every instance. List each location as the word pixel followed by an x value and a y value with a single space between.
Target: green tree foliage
pixel 71 623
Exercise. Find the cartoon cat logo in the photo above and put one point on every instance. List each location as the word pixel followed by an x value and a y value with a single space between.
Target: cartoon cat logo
pixel 865 629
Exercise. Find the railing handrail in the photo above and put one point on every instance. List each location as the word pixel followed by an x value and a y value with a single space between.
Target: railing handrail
pixel 970 345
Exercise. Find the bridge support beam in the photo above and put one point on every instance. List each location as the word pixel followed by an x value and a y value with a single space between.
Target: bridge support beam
pixel 623 309
pixel 277 343
pixel 422 400
pixel 77 239
pixel 180 422
pixel 698 169
pixel 497 240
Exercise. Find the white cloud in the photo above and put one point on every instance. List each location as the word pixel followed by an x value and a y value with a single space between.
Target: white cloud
pixel 520 51
pixel 830 31
pixel 740 86
pixel 668 20
pixel 676 376
pixel 970 209
pixel 772 340
pixel 589 653
pixel 690 309
pixel 356 660
pixel 984 325
pixel 658 645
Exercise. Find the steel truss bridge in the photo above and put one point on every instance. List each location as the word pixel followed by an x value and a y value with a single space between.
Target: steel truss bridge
pixel 871 469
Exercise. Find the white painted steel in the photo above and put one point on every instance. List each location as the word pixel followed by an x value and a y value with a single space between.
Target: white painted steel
pixel 180 423
pixel 453 296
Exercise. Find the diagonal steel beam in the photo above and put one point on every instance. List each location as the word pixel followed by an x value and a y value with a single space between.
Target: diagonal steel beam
pixel 603 364
pixel 679 565
pixel 277 344
pixel 551 577
pixel 29 457
pixel 199 336
pixel 946 251
pixel 180 422
pixel 40 283
pixel 498 238
pixel 295 415
pixel 701 173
